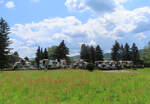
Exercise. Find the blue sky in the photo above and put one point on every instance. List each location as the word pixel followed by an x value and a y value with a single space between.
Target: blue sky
pixel 47 22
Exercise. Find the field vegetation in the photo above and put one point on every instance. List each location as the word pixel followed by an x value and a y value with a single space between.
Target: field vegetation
pixel 75 87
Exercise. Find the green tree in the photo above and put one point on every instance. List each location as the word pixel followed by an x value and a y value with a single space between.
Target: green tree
pixel 87 53
pixel 4 43
pixel 83 52
pixel 45 54
pixel 38 56
pixel 41 54
pixel 115 51
pixel 135 53
pixel 62 51
pixel 122 53
pixel 52 52
pixel 92 54
pixel 99 54
pixel 26 58
pixel 127 53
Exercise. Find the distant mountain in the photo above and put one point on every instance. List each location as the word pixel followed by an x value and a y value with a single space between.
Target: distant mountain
pixel 107 56
pixel 76 57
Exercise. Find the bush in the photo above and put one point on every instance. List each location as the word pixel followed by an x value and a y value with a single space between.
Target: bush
pixel 90 66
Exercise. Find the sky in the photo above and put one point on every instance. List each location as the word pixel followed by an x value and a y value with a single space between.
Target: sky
pixel 46 23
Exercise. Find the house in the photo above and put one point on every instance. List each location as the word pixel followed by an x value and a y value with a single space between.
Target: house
pixel 22 64
pixel 79 64
pixel 52 64
pixel 114 64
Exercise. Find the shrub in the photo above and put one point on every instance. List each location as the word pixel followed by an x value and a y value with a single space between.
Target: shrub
pixel 90 66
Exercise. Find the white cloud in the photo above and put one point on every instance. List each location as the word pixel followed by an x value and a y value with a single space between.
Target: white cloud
pixel 120 24
pixel 93 43
pixel 97 6
pixel 140 36
pixel 10 4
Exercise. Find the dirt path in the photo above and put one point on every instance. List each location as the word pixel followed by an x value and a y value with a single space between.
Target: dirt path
pixel 116 71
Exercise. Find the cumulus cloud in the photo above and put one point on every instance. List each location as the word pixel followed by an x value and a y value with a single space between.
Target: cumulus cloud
pixel 140 36
pixel 120 24
pixel 10 4
pixel 97 6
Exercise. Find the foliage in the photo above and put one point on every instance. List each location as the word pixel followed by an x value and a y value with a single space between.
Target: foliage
pixel 52 52
pixel 38 56
pixel 45 54
pixel 90 54
pixel 145 55
pixel 99 54
pixel 115 51
pixel 62 51
pixel 4 43
pixel 90 66
pixel 135 54
pixel 26 58
pixel 127 53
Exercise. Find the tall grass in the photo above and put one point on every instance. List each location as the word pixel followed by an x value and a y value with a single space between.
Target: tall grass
pixel 74 87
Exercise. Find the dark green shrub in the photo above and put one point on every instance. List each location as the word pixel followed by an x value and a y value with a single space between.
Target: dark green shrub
pixel 90 66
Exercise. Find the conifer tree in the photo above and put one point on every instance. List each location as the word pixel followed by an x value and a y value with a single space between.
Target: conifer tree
pixel 83 52
pixel 4 43
pixel 62 51
pixel 122 52
pixel 45 54
pixel 135 53
pixel 92 54
pixel 41 54
pixel 115 52
pixel 38 56
pixel 99 54
pixel 127 52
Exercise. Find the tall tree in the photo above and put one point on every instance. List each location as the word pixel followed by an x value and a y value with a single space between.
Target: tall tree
pixel 45 54
pixel 115 51
pixel 121 53
pixel 92 54
pixel 62 51
pixel 135 53
pixel 99 54
pixel 4 43
pixel 127 52
pixel 83 52
pixel 41 54
pixel 52 52
pixel 38 56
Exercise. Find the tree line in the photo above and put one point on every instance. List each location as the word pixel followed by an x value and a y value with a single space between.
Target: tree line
pixel 87 53
pixel 57 52
pixel 125 53
pixel 118 53
pixel 91 54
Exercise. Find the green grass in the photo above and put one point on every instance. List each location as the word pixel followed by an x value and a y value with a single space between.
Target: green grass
pixel 74 87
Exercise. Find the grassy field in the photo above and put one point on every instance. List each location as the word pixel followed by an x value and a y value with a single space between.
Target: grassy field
pixel 74 87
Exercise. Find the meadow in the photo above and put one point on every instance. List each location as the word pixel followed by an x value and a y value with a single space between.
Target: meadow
pixel 75 87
